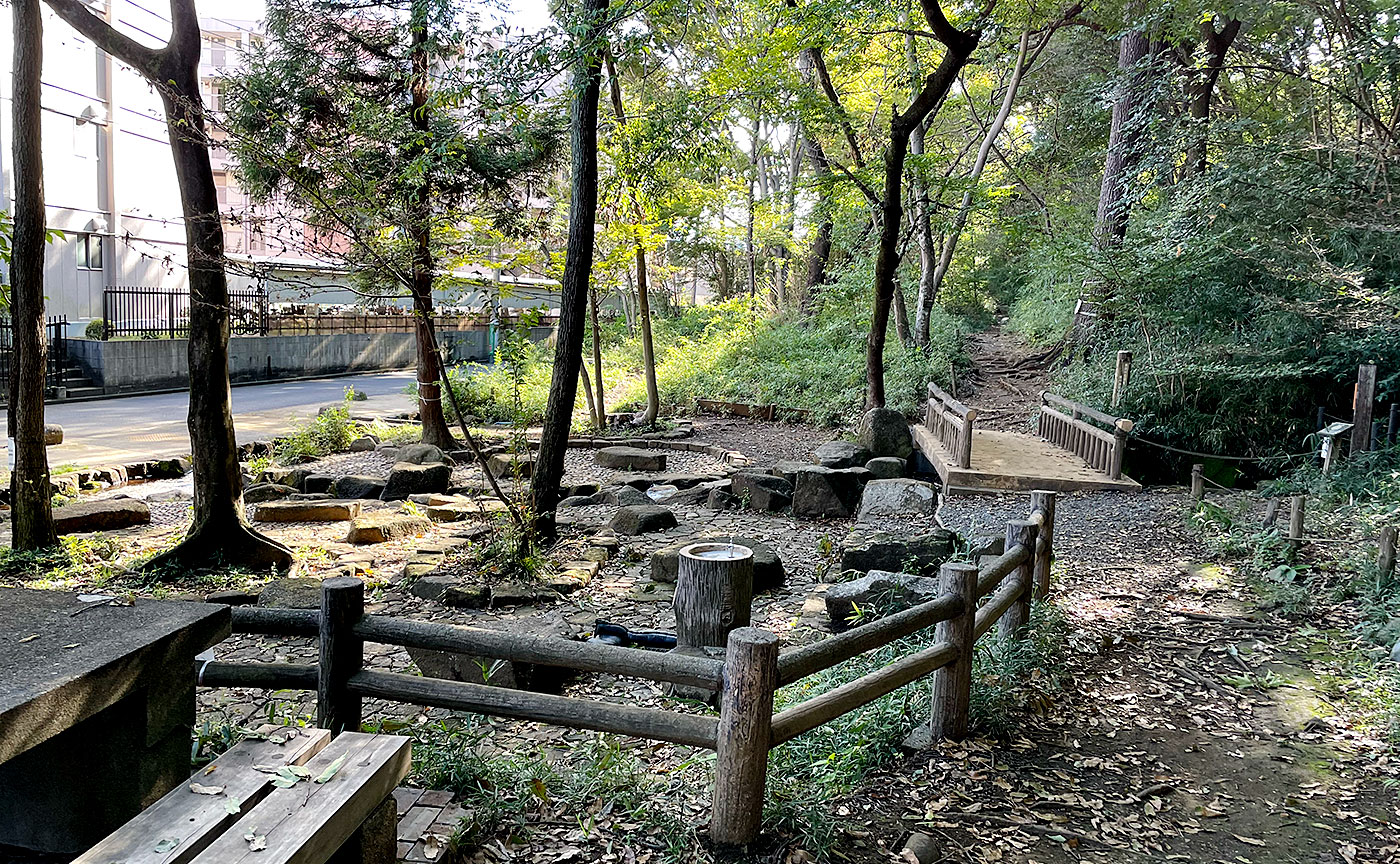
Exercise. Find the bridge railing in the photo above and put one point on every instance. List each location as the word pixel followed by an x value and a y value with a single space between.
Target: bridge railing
pixel 1070 425
pixel 950 421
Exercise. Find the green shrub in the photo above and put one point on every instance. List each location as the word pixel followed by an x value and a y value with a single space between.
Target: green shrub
pixel 330 431
pixel 95 329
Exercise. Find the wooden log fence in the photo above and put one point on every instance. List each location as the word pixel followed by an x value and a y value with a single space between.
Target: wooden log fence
pixel 1066 424
pixel 747 679
pixel 950 421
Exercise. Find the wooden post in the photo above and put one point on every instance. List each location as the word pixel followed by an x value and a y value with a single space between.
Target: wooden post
pixel 1198 482
pixel 1390 427
pixel 1362 405
pixel 745 728
pixel 342 654
pixel 1019 531
pixel 1121 428
pixel 1121 374
pixel 1044 501
pixel 965 442
pixel 714 594
pixel 952 685
pixel 1295 520
pixel 1385 561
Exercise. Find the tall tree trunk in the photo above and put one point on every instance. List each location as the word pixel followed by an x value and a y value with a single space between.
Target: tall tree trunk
pixel 819 251
pixel 430 413
pixel 602 419
pixel 643 297
pixel 218 531
pixel 30 498
pixel 1111 222
pixel 960 46
pixel 923 230
pixel 578 267
pixel 989 138
pixel 1202 88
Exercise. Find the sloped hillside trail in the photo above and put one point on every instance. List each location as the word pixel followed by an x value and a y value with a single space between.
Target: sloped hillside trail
pixel 1004 381
pixel 1185 725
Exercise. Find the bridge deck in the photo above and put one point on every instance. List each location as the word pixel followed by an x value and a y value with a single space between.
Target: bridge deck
pixel 1011 462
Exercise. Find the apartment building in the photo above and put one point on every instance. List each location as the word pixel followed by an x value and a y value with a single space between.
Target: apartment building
pixel 110 183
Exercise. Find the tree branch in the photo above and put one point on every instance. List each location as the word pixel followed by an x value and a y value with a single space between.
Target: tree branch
pixel 81 18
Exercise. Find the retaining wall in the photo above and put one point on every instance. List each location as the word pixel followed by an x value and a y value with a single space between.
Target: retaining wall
pixel 134 365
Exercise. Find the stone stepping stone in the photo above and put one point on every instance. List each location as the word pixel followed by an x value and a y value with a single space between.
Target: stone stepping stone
pixel 307 511
pixel 383 527
pixel 897 497
pixel 264 492
pixel 108 514
pixel 407 479
pixel 642 519
pixel 357 486
pixel 630 459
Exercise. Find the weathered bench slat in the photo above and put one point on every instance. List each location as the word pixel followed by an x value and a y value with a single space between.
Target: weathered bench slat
pixel 306 823
pixel 192 821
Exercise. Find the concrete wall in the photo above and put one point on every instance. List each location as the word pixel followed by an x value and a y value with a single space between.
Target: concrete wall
pixel 133 365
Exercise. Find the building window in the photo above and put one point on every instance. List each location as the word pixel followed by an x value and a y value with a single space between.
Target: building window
pixel 89 252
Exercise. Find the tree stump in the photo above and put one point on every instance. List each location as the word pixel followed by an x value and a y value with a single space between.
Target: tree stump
pixel 714 594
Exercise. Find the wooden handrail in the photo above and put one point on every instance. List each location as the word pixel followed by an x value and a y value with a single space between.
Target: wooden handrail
pixel 276 622
pixel 804 661
pixel 1102 449
pixel 264 676
pixel 936 392
pixel 541 707
pixel 808 715
pixel 999 603
pixel 989 577
pixel 683 669
pixel 950 421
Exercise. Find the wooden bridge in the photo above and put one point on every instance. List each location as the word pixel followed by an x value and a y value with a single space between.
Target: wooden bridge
pixel 1076 448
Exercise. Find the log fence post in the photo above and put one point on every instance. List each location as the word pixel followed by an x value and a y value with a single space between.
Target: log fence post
pixel 745 733
pixel 1385 561
pixel 1122 373
pixel 1121 428
pixel 1043 501
pixel 342 654
pixel 1362 407
pixel 1296 506
pixel 952 684
pixel 1013 621
pixel 1198 482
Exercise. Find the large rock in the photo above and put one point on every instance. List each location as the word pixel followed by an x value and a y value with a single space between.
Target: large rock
pixel 408 479
pixel 899 497
pixel 167 469
pixel 787 469
pixel 357 486
pixel 762 491
pixel 580 501
pixel 53 434
pixel 864 551
pixel 885 432
pixel 841 454
pixel 887 467
pixel 421 454
pixel 520 465
pixel 768 570
pixel 642 519
pixel 291 592
pixel 630 459
pixel 318 484
pixel 624 496
pixel 263 492
pixel 328 510
pixel 109 514
pixel 875 595
pixel 364 444
pixel 383 527
pixel 827 493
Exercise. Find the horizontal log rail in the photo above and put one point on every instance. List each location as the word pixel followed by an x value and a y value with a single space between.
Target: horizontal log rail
pixel 746 680
pixel 808 715
pixel 652 723
pixel 804 661
pixel 1065 424
pixel 951 423
pixel 704 672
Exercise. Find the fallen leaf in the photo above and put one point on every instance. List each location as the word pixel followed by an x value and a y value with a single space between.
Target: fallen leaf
pixel 29 638
pixel 327 774
pixel 201 789
pixel 1253 841
pixel 166 844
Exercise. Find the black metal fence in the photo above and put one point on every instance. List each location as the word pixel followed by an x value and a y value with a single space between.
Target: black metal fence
pixel 58 363
pixel 154 313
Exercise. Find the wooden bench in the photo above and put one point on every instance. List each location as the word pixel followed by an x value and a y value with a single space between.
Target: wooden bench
pixel 333 795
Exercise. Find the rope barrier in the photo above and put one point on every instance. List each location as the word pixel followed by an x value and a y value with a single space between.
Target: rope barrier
pixel 1200 455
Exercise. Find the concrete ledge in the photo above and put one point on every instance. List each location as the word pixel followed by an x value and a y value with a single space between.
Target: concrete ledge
pixel 139 365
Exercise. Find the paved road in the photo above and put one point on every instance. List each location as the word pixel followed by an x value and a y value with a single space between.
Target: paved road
pixel 130 428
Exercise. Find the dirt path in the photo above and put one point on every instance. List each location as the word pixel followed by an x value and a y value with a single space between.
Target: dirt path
pixel 1005 381
pixel 1188 728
